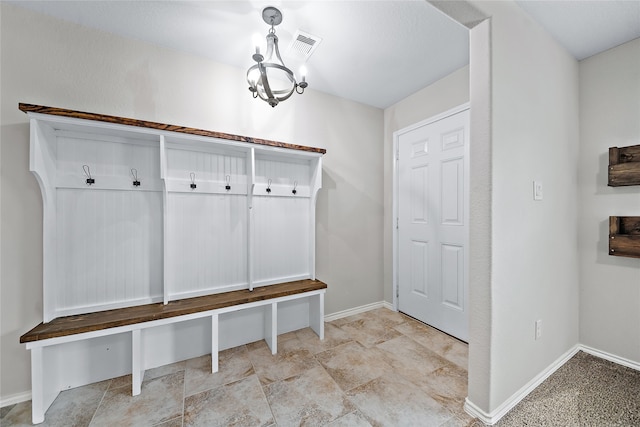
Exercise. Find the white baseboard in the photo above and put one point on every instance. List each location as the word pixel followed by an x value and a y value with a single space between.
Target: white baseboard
pixel 388 305
pixel 357 310
pixel 473 410
pixel 495 415
pixel 610 357
pixel 15 398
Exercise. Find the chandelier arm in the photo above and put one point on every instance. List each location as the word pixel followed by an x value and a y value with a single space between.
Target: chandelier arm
pixel 254 85
pixel 251 82
pixel 277 49
pixel 280 95
pixel 264 80
pixel 287 96
pixel 282 68
pixel 261 97
pixel 271 41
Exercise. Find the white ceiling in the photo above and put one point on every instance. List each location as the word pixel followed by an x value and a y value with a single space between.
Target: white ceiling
pixel 374 52
pixel 585 28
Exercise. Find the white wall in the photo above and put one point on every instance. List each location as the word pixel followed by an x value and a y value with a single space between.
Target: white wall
pixel 446 93
pixel 524 256
pixel 50 62
pixel 534 136
pixel 480 226
pixel 609 117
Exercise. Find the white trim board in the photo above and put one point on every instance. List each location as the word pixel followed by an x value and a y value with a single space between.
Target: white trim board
pixel 506 406
pixel 357 310
pixel 610 357
pixel 395 190
pixel 15 398
pixel 517 397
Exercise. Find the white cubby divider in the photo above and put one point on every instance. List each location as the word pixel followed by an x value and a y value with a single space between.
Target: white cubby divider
pixel 201 220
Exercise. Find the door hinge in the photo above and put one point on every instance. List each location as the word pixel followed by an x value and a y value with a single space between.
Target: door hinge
pixel 397 223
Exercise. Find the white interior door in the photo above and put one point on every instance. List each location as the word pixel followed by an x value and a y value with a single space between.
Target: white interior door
pixel 433 224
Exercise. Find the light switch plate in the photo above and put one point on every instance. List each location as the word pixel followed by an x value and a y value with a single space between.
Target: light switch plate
pixel 537 190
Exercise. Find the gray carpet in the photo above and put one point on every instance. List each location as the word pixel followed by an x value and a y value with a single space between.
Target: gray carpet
pixel 585 391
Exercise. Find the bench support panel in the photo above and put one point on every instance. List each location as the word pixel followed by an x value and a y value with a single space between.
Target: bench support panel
pixel 316 314
pixel 215 343
pixel 44 382
pixel 271 326
pixel 137 372
pixel 38 406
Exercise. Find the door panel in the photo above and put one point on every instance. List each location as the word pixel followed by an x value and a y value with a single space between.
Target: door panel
pixel 433 194
pixel 419 263
pixel 420 194
pixel 453 139
pixel 452 190
pixel 452 275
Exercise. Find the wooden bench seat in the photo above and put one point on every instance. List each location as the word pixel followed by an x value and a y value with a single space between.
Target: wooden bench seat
pixel 89 322
pixel 45 383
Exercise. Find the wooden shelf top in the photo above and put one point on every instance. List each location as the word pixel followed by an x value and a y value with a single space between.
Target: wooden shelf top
pixel 54 111
pixel 89 322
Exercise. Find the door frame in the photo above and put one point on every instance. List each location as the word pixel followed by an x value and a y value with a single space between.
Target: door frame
pixel 396 170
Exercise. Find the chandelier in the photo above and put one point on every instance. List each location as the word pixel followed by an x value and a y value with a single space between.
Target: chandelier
pixel 269 78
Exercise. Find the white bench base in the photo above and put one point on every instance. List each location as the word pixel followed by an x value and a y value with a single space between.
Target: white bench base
pixel 44 375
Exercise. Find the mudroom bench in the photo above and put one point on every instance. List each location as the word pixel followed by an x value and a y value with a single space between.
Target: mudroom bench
pixel 162 243
pixel 135 320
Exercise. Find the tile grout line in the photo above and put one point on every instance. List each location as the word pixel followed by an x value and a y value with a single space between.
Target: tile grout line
pixel 411 319
pixel 184 389
pixel 255 372
pixel 342 392
pixel 100 403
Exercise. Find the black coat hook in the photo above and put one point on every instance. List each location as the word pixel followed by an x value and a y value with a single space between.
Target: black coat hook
pixel 295 185
pixel 134 174
pixel 87 172
pixel 269 186
pixel 228 186
pixel 193 180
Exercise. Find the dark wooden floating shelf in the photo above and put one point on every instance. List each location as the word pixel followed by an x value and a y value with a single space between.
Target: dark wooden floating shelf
pixel 624 236
pixel 54 111
pixel 624 166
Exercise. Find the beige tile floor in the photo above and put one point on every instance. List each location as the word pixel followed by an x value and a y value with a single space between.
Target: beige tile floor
pixel 378 368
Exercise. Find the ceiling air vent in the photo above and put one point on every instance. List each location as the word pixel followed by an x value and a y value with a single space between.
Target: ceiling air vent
pixel 303 45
